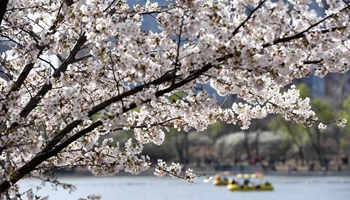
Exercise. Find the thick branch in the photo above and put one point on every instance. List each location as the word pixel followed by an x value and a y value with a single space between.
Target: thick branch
pixel 302 34
pixel 166 78
pixel 298 36
pixel 130 107
pixel 45 88
pixel 248 17
pixel 163 79
pixel 37 160
pixel 22 77
pixel 33 102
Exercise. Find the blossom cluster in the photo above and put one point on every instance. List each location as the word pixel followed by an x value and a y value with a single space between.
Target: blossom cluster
pixel 174 170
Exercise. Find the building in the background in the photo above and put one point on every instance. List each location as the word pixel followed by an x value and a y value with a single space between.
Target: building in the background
pixel 315 84
pixel 337 83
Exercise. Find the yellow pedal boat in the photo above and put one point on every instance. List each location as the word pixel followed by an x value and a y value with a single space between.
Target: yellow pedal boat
pixel 263 187
pixel 220 182
pixel 221 179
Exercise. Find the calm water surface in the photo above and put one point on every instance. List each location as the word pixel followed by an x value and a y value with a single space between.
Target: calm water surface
pixel 166 188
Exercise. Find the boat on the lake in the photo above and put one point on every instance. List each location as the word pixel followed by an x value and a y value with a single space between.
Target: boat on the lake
pixel 245 187
pixel 220 180
pixel 249 183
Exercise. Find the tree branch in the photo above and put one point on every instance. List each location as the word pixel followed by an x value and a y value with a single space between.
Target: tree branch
pixel 249 16
pixel 22 77
pixel 45 88
pixel 302 33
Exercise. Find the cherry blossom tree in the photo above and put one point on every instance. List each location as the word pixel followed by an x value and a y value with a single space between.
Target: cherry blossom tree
pixel 81 69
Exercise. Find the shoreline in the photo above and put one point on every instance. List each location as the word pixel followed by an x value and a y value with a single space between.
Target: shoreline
pixel 210 172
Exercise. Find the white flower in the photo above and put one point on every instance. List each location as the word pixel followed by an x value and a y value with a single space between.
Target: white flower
pixel 161 169
pixel 190 177
pixel 207 179
pixel 322 126
pixel 342 122
pixel 174 170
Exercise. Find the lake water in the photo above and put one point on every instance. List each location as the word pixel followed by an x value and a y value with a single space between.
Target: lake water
pixel 166 188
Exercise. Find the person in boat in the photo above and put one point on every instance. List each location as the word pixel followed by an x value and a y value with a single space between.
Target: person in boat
pixel 245 183
pixel 218 177
pixel 232 182
pixel 267 183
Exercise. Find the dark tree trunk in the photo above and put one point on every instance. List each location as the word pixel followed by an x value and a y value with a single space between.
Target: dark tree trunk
pixel 246 145
pixel 181 145
pixel 295 141
pixel 257 150
pixel 187 154
pixel 3 6
pixel 316 146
